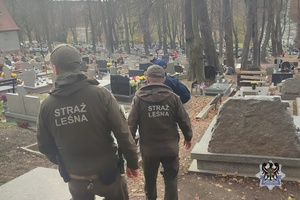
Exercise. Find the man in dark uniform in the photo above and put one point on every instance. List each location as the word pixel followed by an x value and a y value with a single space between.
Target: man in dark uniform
pixel 156 111
pixel 74 130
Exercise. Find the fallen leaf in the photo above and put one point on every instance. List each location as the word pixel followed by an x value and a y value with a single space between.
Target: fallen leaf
pixel 229 190
pixel 219 185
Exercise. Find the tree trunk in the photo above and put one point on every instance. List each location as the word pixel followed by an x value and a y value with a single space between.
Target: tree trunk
pixel 92 27
pixel 44 16
pixel 209 49
pixel 297 39
pixel 182 25
pixel 256 47
pixel 227 17
pixel 263 23
pixel 159 22
pixel 247 38
pixel 144 24
pixel 164 26
pixel 127 46
pixel 221 29
pixel 196 59
pixel 268 30
pixel 189 33
pixel 236 41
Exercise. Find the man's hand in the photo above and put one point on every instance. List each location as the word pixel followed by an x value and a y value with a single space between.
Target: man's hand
pixel 187 144
pixel 132 173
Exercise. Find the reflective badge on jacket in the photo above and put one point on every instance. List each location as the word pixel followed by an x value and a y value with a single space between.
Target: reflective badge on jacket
pixel 70 115
pixel 158 111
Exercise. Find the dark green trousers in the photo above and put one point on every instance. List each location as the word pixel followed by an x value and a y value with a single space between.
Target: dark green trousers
pixel 170 174
pixel 115 191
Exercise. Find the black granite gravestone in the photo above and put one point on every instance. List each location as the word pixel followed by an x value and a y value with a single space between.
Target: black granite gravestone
pixel 132 73
pixel 120 85
pixel 102 65
pixel 144 66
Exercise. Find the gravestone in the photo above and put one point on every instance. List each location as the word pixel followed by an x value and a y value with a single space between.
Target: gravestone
pixel 165 58
pixel 285 67
pixel 131 64
pixel 83 66
pixel 102 65
pixel 29 77
pixel 102 55
pixel 7 71
pixel 37 66
pixel 26 66
pixel 178 69
pixel 255 126
pixel 170 68
pixel 22 108
pixel 291 88
pixel 91 73
pixel 177 61
pixel 270 70
pixel 120 85
pixel 144 66
pixel 133 72
pixel 21 90
pixel 125 68
pixel 113 70
pixel 15 103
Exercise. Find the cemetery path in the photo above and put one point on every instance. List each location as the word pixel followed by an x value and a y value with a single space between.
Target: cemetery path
pixel 14 162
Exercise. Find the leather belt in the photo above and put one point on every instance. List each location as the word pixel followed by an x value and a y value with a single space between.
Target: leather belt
pixel 91 177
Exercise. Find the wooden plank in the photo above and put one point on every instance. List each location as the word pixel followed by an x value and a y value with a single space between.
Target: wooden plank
pixel 253 72
pixel 206 109
pixel 253 77
pixel 249 81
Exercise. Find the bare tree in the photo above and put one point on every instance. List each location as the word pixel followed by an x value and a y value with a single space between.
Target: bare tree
pixel 227 17
pixel 270 19
pixel 205 27
pixel 194 42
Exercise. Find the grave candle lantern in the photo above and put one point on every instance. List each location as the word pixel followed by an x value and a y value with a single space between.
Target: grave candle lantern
pixel 253 84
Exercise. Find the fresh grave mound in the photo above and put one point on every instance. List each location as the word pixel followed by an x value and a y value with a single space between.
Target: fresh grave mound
pixel 255 126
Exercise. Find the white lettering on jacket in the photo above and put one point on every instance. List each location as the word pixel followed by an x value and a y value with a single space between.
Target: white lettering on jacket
pixel 70 115
pixel 158 111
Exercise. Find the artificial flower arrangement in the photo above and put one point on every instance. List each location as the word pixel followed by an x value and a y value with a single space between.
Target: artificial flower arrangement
pixel 108 64
pixel 13 75
pixel 136 80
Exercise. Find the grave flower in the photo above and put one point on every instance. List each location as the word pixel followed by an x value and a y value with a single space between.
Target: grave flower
pixel 2 74
pixel 109 64
pixel 134 81
pixel 3 97
pixel 19 81
pixel 13 75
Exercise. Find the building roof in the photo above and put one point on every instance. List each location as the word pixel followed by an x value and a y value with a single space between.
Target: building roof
pixel 6 21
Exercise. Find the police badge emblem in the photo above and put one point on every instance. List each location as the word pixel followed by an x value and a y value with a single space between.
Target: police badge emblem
pixel 270 174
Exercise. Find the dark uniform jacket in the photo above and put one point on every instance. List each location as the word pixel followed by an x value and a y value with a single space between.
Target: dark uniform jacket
pixel 156 111
pixel 76 120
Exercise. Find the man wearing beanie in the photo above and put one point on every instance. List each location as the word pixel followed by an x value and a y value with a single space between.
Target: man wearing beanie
pixel 156 111
pixel 74 131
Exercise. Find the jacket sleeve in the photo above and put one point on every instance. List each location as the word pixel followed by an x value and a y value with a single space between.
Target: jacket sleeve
pixel 46 143
pixel 133 118
pixel 121 132
pixel 184 121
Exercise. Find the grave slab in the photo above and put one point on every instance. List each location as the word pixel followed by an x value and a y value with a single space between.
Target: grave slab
pixel 236 164
pixel 218 88
pixel 39 183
